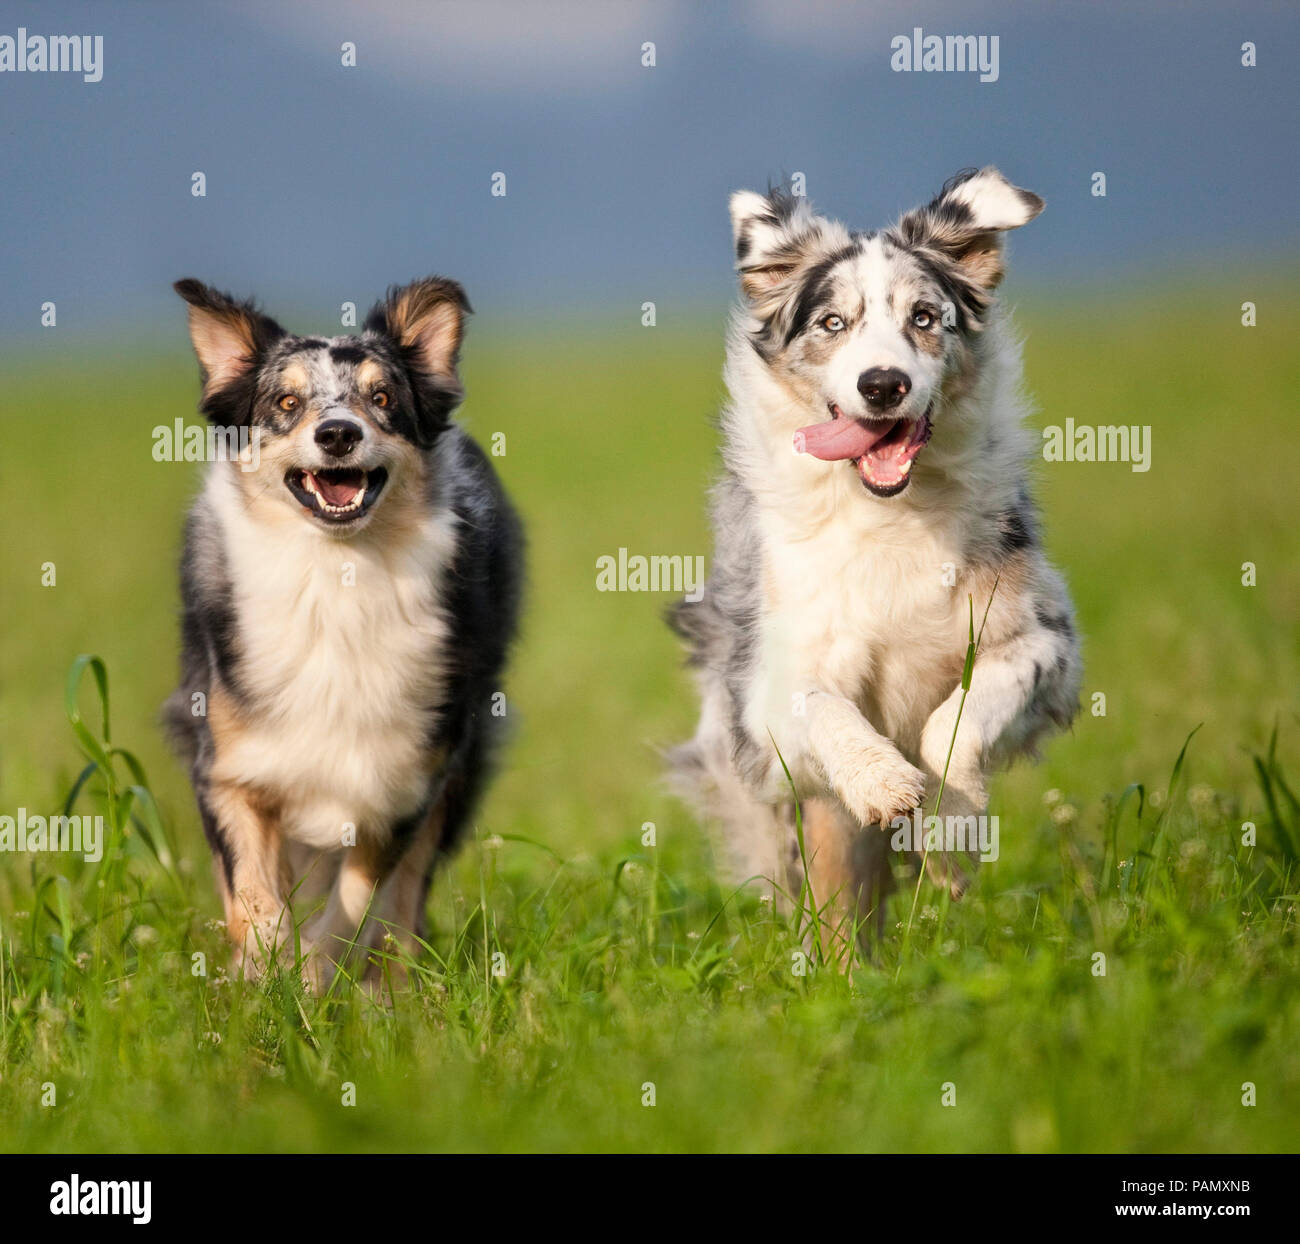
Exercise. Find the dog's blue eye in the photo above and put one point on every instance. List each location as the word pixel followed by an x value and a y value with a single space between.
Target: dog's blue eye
pixel 922 319
pixel 832 324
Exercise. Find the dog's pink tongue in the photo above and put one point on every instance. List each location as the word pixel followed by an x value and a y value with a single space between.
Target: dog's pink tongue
pixel 835 440
pixel 339 491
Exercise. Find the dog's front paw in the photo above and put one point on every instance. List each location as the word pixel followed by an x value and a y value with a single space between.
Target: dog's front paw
pixel 879 786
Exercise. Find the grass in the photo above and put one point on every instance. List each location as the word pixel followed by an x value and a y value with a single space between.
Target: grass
pixel 625 964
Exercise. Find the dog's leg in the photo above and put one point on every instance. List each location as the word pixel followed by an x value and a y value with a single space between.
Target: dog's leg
pixel 328 938
pixel 258 921
pixel 1018 688
pixel 848 875
pixel 398 911
pixel 869 774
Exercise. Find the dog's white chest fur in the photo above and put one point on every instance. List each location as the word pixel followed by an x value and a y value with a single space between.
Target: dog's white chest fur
pixel 341 657
pixel 884 636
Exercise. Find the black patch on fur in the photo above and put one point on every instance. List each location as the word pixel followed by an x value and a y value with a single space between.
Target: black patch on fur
pixel 959 178
pixel 1016 527
pixel 209 627
pixel 217 842
pixel 969 304
pixel 1015 535
pixel 781 204
pixel 813 289
pixel 484 589
pixel 1060 624
pixel 348 354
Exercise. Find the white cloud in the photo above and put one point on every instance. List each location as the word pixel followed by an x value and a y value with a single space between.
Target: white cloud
pixel 487 45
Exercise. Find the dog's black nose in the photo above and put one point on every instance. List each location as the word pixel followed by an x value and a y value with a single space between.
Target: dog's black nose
pixel 338 437
pixel 884 387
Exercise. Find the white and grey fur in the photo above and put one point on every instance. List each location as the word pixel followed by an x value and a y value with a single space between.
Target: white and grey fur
pixel 834 625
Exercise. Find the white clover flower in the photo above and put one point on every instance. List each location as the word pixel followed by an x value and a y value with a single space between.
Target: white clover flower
pixel 1202 797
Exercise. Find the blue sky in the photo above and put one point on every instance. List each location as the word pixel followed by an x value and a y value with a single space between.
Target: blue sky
pixel 326 183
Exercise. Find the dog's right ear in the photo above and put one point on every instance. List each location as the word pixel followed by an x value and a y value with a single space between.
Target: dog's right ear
pixel 777 237
pixel 229 336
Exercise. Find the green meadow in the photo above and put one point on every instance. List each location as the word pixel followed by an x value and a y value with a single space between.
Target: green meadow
pixel 582 990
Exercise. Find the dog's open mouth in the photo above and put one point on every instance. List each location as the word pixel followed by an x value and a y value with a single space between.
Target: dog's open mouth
pixel 882 450
pixel 337 495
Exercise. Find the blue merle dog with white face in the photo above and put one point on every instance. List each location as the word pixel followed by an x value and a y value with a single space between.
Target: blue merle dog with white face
pixel 875 480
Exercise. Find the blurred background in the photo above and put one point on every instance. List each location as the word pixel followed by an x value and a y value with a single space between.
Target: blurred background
pixel 327 182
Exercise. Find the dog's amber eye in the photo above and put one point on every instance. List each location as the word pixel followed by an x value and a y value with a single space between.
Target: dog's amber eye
pixel 833 324
pixel 922 318
pixel 288 402
pixel 380 398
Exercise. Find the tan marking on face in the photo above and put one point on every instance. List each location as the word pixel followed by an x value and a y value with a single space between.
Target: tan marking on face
pixel 370 373
pixel 908 290
pixel 294 376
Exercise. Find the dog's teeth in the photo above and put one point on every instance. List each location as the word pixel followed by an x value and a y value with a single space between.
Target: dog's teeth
pixel 907 466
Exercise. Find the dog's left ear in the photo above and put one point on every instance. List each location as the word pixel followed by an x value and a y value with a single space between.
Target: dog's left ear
pixel 966 221
pixel 426 320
